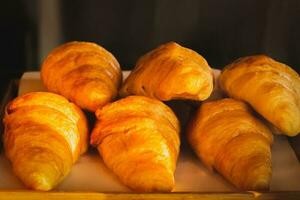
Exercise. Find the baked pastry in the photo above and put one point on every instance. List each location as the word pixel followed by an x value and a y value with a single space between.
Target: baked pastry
pixel 138 139
pixel 84 73
pixel 270 87
pixel 44 135
pixel 228 138
pixel 170 72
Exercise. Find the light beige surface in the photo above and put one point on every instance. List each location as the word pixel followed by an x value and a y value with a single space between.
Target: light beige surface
pixel 90 174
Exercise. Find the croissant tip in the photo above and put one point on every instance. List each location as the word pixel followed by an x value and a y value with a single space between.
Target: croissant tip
pixel 39 181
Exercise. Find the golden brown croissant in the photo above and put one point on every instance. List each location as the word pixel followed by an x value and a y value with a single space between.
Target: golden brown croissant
pixel 226 137
pixel 170 72
pixel 44 135
pixel 270 87
pixel 83 72
pixel 138 139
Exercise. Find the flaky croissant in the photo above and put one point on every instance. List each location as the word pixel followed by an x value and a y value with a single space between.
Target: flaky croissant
pixel 84 73
pixel 170 72
pixel 138 139
pixel 270 87
pixel 226 137
pixel 44 135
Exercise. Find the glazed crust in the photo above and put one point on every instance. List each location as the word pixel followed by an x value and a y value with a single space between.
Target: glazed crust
pixel 227 137
pixel 170 72
pixel 138 139
pixel 270 87
pixel 84 73
pixel 44 135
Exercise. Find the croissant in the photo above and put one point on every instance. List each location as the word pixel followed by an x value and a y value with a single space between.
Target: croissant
pixel 226 137
pixel 44 135
pixel 170 72
pixel 138 139
pixel 84 73
pixel 270 87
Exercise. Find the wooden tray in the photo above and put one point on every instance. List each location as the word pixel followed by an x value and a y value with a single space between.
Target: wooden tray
pixel 19 193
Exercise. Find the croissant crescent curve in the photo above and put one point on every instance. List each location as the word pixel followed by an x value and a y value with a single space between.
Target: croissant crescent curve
pixel 170 72
pixel 270 87
pixel 138 139
pixel 84 73
pixel 44 135
pixel 226 137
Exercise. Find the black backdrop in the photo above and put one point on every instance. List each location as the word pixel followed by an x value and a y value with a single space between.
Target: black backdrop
pixel 220 30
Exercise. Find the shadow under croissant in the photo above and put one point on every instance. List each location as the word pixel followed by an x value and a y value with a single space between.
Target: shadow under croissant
pixel 183 109
pixel 10 92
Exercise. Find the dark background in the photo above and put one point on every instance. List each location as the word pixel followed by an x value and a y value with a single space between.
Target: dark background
pixel 219 30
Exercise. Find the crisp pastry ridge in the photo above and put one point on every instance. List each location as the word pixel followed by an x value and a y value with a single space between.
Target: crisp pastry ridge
pixel 44 136
pixel 83 72
pixel 270 87
pixel 138 139
pixel 170 72
pixel 228 138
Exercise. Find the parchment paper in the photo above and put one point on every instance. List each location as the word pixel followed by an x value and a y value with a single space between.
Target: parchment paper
pixel 90 173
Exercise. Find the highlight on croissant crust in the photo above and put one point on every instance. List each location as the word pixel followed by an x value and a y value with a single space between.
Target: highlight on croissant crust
pixel 84 73
pixel 44 135
pixel 227 137
pixel 270 87
pixel 170 72
pixel 138 139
